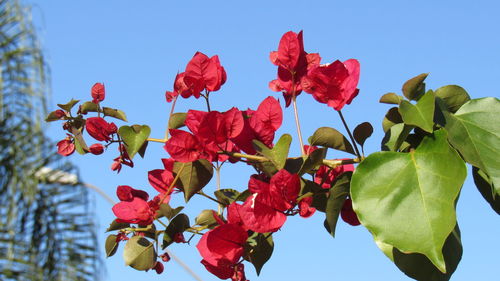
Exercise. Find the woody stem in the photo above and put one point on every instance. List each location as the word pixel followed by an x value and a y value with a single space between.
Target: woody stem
pixel 297 124
pixel 350 134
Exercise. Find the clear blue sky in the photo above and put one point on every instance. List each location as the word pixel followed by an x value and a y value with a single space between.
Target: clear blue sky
pixel 137 48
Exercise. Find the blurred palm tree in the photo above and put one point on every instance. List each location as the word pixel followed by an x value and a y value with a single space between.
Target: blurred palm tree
pixel 47 230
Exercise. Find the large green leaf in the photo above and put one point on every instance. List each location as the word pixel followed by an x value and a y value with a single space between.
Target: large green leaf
pixel 420 114
pixel 193 176
pixel 338 194
pixel 408 199
pixel 474 130
pixel 485 186
pixel 329 137
pixel 134 137
pixel 418 267
pixel 278 154
pixel 139 253
pixel 260 247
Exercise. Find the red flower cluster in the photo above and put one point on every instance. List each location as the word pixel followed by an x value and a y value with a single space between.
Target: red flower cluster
pixel 135 207
pixel 333 84
pixel 231 131
pixel 202 73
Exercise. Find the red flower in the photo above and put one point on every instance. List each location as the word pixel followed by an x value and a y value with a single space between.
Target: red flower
pixel 96 149
pixel 161 179
pixel 134 207
pixel 183 146
pixel 180 88
pixel 293 63
pixel 127 193
pixel 305 209
pixel 99 129
pixel 348 214
pixel 65 147
pixel 327 178
pixel 204 73
pixel 98 93
pixel 333 84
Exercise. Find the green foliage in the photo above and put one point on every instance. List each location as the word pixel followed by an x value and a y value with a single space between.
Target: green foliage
pixel 421 114
pixel 139 253
pixel 336 198
pixel 134 137
pixel 260 247
pixel 193 176
pixel 407 200
pixel 331 138
pixel 278 154
pixel 414 88
pixel 177 225
pixel 177 120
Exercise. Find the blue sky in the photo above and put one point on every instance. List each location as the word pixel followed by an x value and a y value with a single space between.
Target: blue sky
pixel 136 49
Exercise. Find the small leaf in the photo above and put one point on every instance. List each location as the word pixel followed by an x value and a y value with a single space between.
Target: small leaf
pixel 329 137
pixel 395 137
pixel 206 218
pixel 80 144
pixel 267 167
pixel 227 195
pixel 115 113
pixel 193 176
pixel 111 245
pixel 54 116
pixel 485 186
pixel 87 107
pixel 117 226
pixel 177 120
pixel 69 105
pixel 319 198
pixel 391 98
pixel 453 96
pixel 391 118
pixel 421 114
pixel 338 194
pixel 168 212
pixel 177 225
pixel 139 253
pixel 278 154
pixel 142 150
pixel 134 137
pixel 414 88
pixel 243 195
pixel 312 161
pixel 362 132
pixel 260 247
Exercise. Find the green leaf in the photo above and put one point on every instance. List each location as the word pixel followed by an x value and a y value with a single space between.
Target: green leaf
pixel 80 144
pixel 87 107
pixel 226 195
pixel 485 186
pixel 260 247
pixel 68 106
pixel 139 253
pixel 391 98
pixel 267 167
pixel 418 267
pixel 177 225
pixel 115 113
pixel 414 88
pixel 134 137
pixel 408 199
pixel 278 154
pixel 338 194
pixel 319 194
pixel 206 218
pixel 474 131
pixel 167 211
pixel 117 226
pixel 453 96
pixel 177 120
pixel 243 195
pixel 54 117
pixel 421 114
pixel 193 176
pixel 362 132
pixel 391 118
pixel 111 245
pixel 142 150
pixel 395 137
pixel 329 137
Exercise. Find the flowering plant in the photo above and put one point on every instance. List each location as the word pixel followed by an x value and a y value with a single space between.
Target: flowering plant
pixel 405 195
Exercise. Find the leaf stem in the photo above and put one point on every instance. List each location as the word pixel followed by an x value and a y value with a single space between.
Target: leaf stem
pixel 297 124
pixel 350 134
pixel 157 140
pixel 210 197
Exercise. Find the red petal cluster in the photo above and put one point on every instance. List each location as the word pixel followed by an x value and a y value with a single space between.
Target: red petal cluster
pixel 65 147
pixel 347 213
pixel 98 93
pixel 293 63
pixel 134 207
pixel 231 131
pixel 99 129
pixel 221 249
pixel 326 177
pixel 162 179
pixel 334 84
pixel 202 73
pixel 96 149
